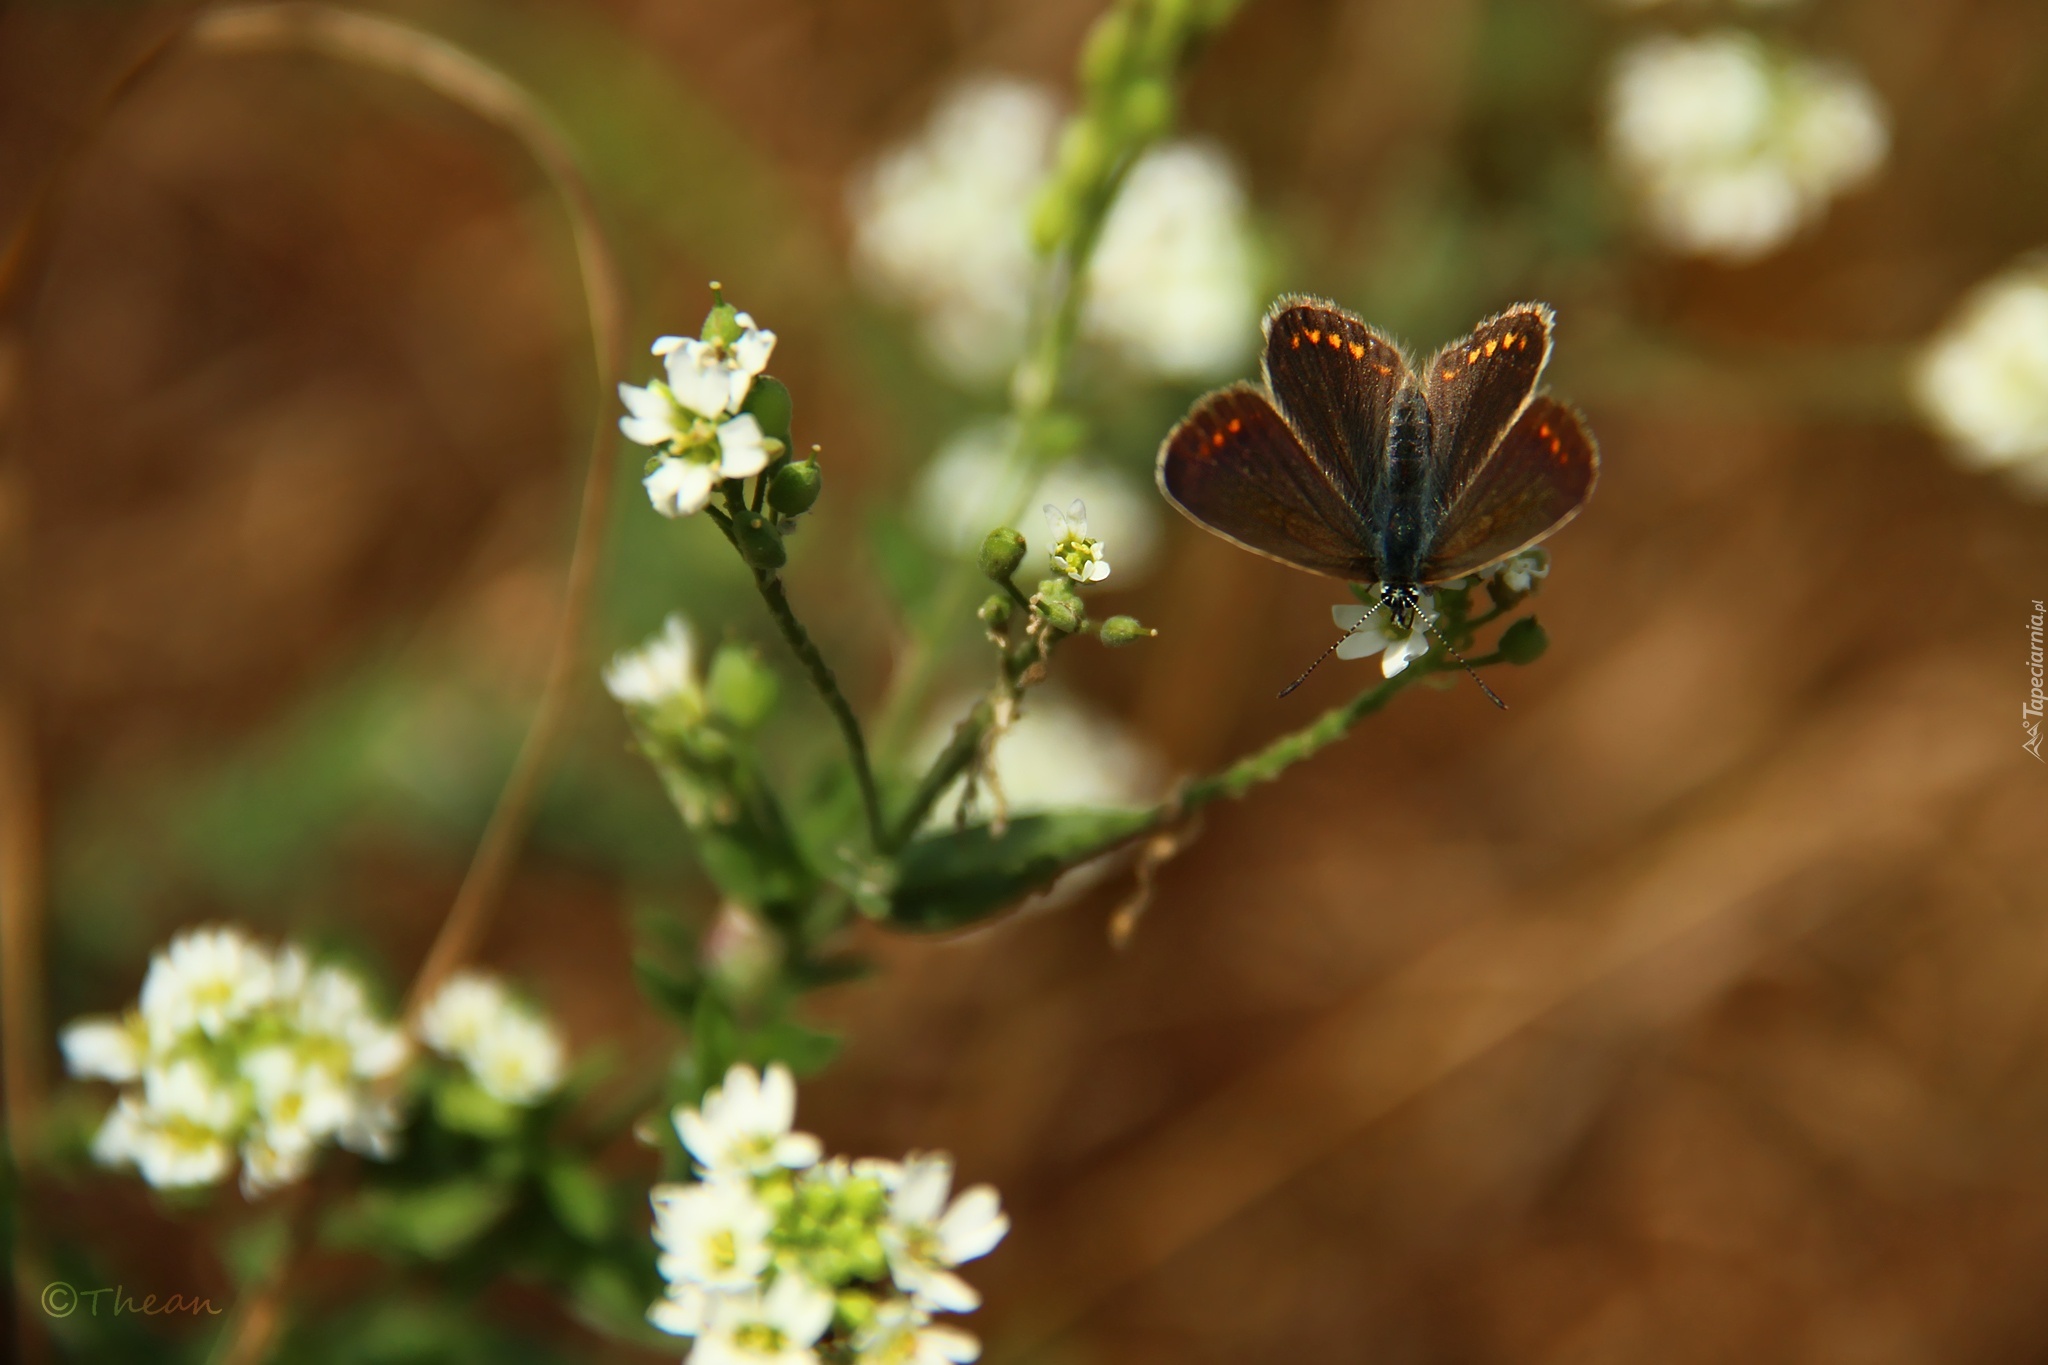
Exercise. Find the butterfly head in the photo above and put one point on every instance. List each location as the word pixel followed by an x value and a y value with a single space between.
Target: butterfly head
pixel 1404 604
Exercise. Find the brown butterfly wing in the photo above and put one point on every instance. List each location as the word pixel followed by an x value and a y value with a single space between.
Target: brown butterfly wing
pixel 1477 387
pixel 1334 379
pixel 1538 478
pixel 1234 466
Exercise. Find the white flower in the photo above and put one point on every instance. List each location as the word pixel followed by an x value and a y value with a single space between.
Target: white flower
pixel 1736 147
pixel 941 223
pixel 104 1048
pixel 185 1090
pixel 1172 281
pixel 1518 573
pixel 177 1156
pixel 661 669
pixel 972 485
pixel 743 1126
pixel 679 485
pixel 207 979
pixel 925 1238
pixel 1073 553
pixel 712 1234
pixel 1402 645
pixel 332 1005
pixel 711 378
pixel 778 1327
pixel 274 1156
pixel 520 1061
pixel 903 1334
pixel 515 1054
pixel 298 1099
pixel 1983 380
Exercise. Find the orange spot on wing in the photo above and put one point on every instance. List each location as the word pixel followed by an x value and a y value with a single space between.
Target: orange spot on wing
pixel 1449 375
pixel 1235 426
pixel 1384 369
pixel 1555 445
pixel 1357 351
pixel 1296 342
pixel 1315 334
pixel 1335 341
pixel 1543 430
pixel 1490 345
pixel 1217 439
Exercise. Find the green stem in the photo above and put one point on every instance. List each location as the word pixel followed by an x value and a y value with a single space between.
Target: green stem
pixel 822 679
pixel 945 769
pixel 1283 753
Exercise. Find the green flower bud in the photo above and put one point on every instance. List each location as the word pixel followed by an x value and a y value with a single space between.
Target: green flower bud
pixel 1103 54
pixel 740 687
pixel 1146 110
pixel 795 487
pixel 1523 642
pixel 1125 630
pixel 1001 552
pixel 995 613
pixel 760 543
pixel 1060 605
pixel 1052 218
pixel 722 323
pixel 1084 154
pixel 772 407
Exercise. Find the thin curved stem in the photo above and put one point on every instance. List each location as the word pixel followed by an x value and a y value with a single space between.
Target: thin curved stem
pixel 400 50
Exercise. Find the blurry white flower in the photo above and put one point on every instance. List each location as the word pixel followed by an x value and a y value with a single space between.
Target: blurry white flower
pixel 1983 380
pixel 1736 147
pixel 514 1053
pixel 237 1046
pixel 714 1234
pixel 1401 645
pixel 1173 283
pixel 925 1237
pixel 904 1334
pixel 1073 553
pixel 1518 573
pixel 970 487
pixel 679 485
pixel 743 1126
pixel 662 668
pixel 103 1048
pixel 942 224
pixel 778 1327
pixel 206 979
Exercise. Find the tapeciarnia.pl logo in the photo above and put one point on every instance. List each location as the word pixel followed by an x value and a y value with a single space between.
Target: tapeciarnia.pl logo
pixel 2030 714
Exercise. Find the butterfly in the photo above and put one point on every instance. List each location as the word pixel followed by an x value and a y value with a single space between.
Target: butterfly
pixel 1351 463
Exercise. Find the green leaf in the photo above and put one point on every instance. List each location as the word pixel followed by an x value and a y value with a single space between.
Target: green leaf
pixel 579 1200
pixel 804 1050
pixel 463 1106
pixel 672 991
pixel 434 1223
pixel 956 878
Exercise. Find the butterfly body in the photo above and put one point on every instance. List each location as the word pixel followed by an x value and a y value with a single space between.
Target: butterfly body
pixel 1353 463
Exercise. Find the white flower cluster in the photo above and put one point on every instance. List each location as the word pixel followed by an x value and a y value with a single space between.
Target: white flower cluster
pixel 775 1256
pixel 694 419
pixel 514 1053
pixel 1983 380
pixel 1736 147
pixel 941 224
pixel 238 1049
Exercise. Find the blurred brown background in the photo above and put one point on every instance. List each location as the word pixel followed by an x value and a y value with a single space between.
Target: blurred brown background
pixel 1693 1009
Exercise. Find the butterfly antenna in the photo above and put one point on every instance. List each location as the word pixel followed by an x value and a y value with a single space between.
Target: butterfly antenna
pixel 1324 656
pixel 1459 660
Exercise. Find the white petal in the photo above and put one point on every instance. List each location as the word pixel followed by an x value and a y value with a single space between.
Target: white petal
pixel 663 345
pixel 1362 644
pixel 102 1047
pixel 679 487
pixel 1097 571
pixel 699 379
pixel 1057 520
pixel 741 447
pixel 974 1224
pixel 1077 517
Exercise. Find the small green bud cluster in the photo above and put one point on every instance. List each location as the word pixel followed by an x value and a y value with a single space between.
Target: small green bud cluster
pixel 1127 69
